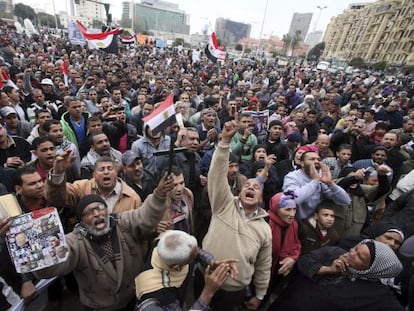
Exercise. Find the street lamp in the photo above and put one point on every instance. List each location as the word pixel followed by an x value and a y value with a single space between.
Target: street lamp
pixel 321 8
pixel 261 28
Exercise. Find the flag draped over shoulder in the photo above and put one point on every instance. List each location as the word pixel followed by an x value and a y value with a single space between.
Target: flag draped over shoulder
pixel 213 51
pixel 161 117
pixel 106 41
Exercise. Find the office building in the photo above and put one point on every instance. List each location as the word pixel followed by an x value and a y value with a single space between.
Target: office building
pixel 161 17
pixel 378 31
pixel 231 32
pixel 300 22
pixel 90 11
pixel 313 38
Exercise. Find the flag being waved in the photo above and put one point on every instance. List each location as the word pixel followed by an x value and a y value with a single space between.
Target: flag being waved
pixel 106 41
pixel 162 116
pixel 5 80
pixel 213 51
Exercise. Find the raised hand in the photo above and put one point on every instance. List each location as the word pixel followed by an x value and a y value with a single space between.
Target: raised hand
pixel 63 162
pixel 313 172
pixel 326 176
pixel 229 129
pixel 165 185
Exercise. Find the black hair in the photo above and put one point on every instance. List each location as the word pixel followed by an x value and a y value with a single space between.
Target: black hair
pixel 24 170
pixel 40 140
pixel 48 124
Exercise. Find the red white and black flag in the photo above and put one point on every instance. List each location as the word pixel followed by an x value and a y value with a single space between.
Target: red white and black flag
pixel 162 116
pixel 213 51
pixel 106 41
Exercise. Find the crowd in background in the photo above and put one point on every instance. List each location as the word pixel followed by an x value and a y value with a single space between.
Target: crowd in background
pixel 307 215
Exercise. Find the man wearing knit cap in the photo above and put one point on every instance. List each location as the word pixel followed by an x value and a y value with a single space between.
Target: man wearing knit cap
pixel 312 183
pixel 105 250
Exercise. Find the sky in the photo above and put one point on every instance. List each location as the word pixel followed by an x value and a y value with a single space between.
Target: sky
pixel 276 22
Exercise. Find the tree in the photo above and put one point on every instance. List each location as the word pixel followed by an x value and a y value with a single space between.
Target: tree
pixel 238 47
pixel 286 43
pixel 316 52
pixel 275 53
pixel 297 38
pixel 357 62
pixel 380 66
pixel 178 41
pixel 25 11
pixel 48 20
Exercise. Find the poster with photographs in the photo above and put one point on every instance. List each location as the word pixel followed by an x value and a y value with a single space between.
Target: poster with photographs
pixel 260 122
pixel 36 240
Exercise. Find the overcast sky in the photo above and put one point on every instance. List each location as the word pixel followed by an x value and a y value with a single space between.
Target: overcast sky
pixel 277 20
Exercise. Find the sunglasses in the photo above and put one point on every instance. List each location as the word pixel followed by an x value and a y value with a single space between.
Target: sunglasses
pixel 322 132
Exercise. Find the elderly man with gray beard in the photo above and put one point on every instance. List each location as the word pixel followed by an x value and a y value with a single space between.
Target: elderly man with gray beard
pixel 105 249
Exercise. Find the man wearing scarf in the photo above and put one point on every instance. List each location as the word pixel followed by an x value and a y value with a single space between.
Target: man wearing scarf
pixel 105 250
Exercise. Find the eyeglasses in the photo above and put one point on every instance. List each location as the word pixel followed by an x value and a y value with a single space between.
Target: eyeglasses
pixel 91 211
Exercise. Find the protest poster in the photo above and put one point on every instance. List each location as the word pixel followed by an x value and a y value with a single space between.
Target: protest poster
pixel 260 122
pixel 36 240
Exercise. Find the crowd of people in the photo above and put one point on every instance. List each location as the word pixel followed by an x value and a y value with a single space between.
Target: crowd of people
pixel 210 212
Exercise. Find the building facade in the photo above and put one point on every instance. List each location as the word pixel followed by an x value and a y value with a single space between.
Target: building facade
pixel 300 22
pixel 127 10
pixel 161 17
pixel 90 11
pixel 231 32
pixel 313 38
pixel 378 31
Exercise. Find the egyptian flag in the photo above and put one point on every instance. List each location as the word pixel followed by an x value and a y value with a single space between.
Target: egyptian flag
pixel 127 39
pixel 106 41
pixel 5 80
pixel 64 70
pixel 161 117
pixel 213 51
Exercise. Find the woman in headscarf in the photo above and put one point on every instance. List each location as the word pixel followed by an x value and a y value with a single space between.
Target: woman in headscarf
pixel 285 241
pixel 333 279
pixel 386 233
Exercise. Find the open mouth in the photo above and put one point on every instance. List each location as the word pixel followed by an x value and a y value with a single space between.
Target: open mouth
pixel 107 180
pixel 99 223
pixel 250 195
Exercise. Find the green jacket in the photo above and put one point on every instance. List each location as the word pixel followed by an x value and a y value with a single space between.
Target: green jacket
pixel 68 131
pixel 243 150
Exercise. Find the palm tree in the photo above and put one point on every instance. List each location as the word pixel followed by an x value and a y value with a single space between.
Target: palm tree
pixel 297 38
pixel 286 42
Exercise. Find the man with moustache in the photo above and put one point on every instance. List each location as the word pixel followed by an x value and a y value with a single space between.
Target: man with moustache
pixel 100 146
pixel 117 194
pixel 105 252
pixel 313 183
